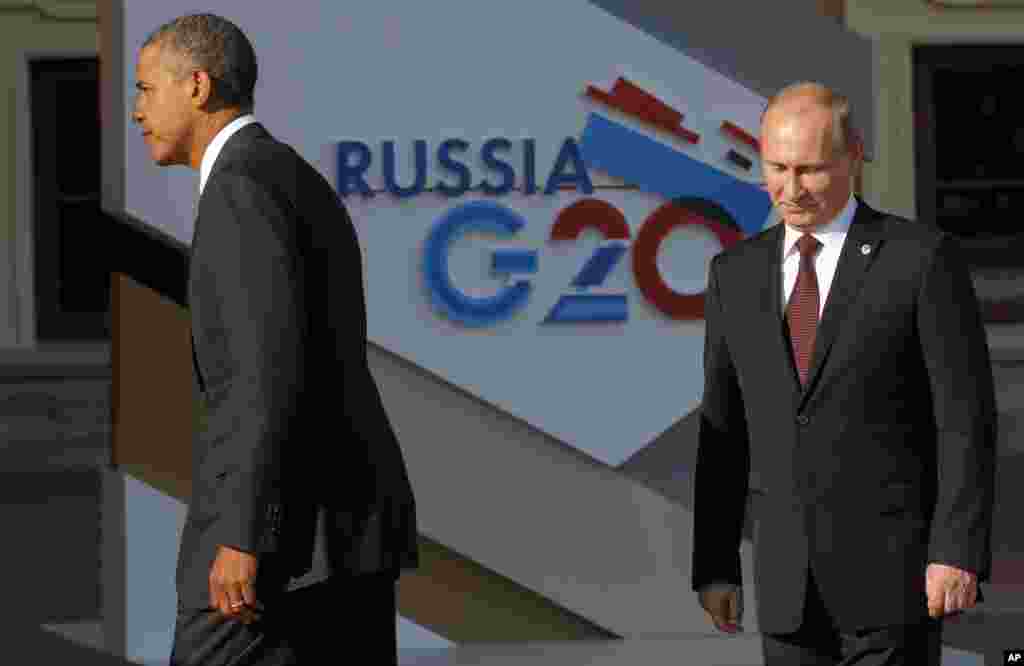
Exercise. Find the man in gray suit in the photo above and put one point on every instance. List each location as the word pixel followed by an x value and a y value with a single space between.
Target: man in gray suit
pixel 848 391
pixel 302 515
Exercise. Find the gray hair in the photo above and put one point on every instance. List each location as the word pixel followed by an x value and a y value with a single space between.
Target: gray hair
pixel 217 46
pixel 844 130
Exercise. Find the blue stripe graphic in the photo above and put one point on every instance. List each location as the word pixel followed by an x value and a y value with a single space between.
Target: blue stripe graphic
pixel 507 260
pixel 599 265
pixel 589 308
pixel 655 167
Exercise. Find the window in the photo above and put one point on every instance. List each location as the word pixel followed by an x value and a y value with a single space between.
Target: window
pixel 71 289
pixel 969 141
pixel 76 245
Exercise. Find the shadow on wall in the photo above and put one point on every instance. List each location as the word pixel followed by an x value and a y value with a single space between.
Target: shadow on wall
pixel 666 464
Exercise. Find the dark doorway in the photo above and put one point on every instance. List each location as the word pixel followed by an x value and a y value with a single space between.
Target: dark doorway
pixel 76 244
pixel 969 139
pixel 71 283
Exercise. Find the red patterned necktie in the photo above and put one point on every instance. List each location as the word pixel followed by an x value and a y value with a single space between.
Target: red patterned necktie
pixel 802 310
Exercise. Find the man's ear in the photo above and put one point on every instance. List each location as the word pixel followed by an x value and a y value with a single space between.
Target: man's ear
pixel 202 90
pixel 856 148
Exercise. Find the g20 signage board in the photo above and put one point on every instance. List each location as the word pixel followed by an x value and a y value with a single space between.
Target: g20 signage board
pixel 496 258
pixel 506 193
pixel 536 224
pixel 584 301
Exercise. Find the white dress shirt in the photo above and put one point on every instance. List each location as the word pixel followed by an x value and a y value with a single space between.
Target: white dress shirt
pixel 831 236
pixel 213 150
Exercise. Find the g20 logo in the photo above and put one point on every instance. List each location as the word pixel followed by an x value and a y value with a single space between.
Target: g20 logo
pixel 580 307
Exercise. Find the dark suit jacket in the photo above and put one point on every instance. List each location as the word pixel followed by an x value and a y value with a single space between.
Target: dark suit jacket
pixel 883 464
pixel 295 424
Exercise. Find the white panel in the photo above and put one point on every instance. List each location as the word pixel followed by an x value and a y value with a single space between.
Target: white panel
pixel 412 636
pixel 433 70
pixel 153 524
pixel 408 71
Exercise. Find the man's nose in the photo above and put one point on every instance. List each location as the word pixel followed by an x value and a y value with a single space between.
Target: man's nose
pixel 791 187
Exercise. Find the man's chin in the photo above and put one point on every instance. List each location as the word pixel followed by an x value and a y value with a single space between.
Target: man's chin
pixel 161 158
pixel 801 219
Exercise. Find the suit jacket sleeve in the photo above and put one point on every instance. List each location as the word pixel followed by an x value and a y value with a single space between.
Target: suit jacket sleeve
pixel 955 349
pixel 254 286
pixel 371 453
pixel 361 404
pixel 723 456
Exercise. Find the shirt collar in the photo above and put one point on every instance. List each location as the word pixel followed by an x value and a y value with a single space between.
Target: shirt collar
pixel 213 150
pixel 833 232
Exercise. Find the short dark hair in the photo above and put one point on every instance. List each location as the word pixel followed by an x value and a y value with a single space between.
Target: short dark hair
pixel 219 47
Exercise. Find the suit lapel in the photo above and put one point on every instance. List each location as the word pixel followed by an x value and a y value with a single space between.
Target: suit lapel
pixel 239 141
pixel 859 251
pixel 769 303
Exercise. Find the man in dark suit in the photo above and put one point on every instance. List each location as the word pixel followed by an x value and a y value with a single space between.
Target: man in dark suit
pixel 848 391
pixel 302 515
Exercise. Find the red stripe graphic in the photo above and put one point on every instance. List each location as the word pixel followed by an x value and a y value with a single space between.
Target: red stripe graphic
pixel 738 133
pixel 629 98
pixel 590 214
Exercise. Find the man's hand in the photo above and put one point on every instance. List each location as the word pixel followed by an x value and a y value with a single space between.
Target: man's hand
pixel 232 590
pixel 950 590
pixel 724 603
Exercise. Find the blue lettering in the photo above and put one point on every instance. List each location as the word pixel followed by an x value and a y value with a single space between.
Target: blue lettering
pixel 570 152
pixel 444 157
pixel 352 177
pixel 355 158
pixel 390 180
pixel 478 216
pixel 530 166
pixel 492 162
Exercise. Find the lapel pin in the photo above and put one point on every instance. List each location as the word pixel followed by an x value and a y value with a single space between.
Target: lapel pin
pixel 865 249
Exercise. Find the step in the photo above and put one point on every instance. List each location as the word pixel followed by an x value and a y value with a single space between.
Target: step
pixel 692 650
pixel 88 633
pixel 33 644
pixel 540 513
pixel 50 564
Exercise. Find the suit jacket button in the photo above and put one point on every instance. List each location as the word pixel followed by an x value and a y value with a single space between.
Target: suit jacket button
pixel 803 419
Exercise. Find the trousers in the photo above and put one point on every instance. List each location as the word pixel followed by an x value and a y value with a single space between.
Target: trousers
pixel 819 643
